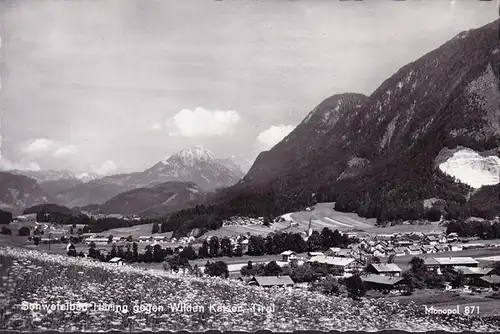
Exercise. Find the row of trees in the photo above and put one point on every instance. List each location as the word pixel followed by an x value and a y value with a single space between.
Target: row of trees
pixel 481 229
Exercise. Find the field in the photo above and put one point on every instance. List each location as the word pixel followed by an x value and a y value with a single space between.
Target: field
pixel 135 231
pixel 94 296
pixel 322 216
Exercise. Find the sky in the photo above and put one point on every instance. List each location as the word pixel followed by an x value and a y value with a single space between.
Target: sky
pixel 112 86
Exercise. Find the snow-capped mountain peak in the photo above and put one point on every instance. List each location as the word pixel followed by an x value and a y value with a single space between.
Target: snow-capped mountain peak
pixel 191 155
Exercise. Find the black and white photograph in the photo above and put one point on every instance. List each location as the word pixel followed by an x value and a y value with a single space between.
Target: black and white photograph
pixel 248 165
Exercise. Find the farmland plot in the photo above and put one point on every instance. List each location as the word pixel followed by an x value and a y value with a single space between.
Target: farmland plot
pixel 31 279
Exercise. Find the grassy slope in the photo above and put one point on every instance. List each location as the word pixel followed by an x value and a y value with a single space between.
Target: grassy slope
pixel 30 277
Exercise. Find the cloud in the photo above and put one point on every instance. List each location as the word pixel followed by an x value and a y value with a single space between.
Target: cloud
pixel 203 122
pixel 42 147
pixel 64 151
pixel 272 136
pixel 107 168
pixel 7 164
pixel 156 126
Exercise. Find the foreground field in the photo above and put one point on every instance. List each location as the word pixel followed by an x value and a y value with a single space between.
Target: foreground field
pixel 119 297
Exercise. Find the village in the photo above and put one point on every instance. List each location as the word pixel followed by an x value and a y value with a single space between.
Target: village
pixel 381 259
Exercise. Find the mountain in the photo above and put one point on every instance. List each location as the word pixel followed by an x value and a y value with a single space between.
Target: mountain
pixel 54 175
pixel 18 192
pixel 232 166
pixel 377 155
pixel 155 201
pixel 196 164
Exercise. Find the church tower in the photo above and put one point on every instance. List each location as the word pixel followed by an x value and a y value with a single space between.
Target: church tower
pixel 310 230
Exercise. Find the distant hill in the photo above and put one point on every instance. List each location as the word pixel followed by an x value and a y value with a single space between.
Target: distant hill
pixel 196 164
pixel 49 208
pixel 154 201
pixel 18 192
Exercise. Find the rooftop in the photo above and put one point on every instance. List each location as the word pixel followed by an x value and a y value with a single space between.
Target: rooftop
pixel 455 260
pixel 379 279
pixel 386 267
pixel 493 279
pixel 335 261
pixel 473 271
pixel 273 280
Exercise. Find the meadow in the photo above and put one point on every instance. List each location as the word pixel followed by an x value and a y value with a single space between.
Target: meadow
pixel 124 298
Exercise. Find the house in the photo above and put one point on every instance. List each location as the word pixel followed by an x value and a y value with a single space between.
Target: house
pixel 384 269
pixel 378 253
pixel 413 250
pixel 456 247
pixel 398 251
pixel 144 238
pixel 439 264
pixel 402 243
pixel 490 281
pixel 270 281
pixel 442 248
pixel 342 266
pixel 159 238
pixel 383 283
pixel 452 237
pixel 288 255
pixel 432 264
pixel 473 274
pixel 431 240
pixel 117 260
pixel 332 251
pixel 429 249
pixel 313 254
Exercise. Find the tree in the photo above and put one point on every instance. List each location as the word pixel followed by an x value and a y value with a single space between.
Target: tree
pixel 129 238
pixel 36 241
pixel 433 280
pixel 5 217
pixel 203 250
pixel 409 282
pixel 188 253
pixel 218 269
pixel 328 286
pixel 418 271
pixel 24 231
pixel 391 258
pixel 256 245
pixel 113 253
pixel 213 247
pixel 315 242
pixel 110 238
pixel 6 230
pixel 459 280
pixel 148 254
pixel 72 251
pixel 135 252
pixel 238 251
pixel 272 269
pixel 155 228
pixel 196 271
pixel 355 286
pixel 226 247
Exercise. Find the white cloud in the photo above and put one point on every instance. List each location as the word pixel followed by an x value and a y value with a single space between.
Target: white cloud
pixel 64 151
pixel 42 147
pixel 203 122
pixel 7 164
pixel 156 126
pixel 107 168
pixel 274 135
